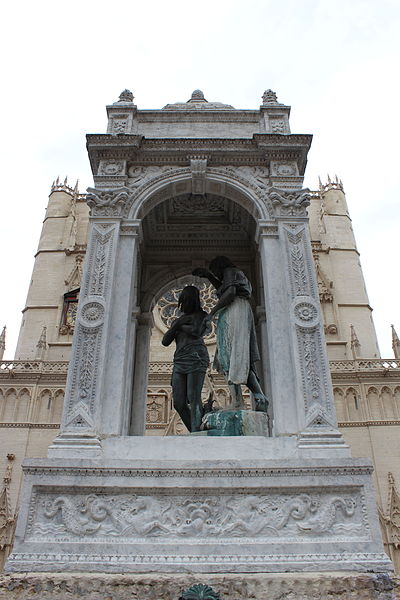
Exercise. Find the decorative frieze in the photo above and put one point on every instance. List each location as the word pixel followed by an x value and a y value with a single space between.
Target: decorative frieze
pixel 198 514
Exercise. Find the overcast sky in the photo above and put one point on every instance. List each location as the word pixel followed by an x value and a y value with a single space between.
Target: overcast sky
pixel 336 62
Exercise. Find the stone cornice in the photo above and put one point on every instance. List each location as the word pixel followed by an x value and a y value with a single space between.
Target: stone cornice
pixel 390 423
pixel 258 150
pixel 30 425
pixel 204 115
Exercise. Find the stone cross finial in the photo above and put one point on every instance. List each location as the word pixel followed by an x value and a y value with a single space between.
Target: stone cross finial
pixel 2 342
pixel 395 343
pixel 269 97
pixel 126 96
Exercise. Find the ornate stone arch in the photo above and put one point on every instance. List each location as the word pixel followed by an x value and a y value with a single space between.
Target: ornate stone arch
pixel 227 183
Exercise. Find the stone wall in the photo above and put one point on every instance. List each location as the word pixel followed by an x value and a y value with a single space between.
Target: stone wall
pixel 298 586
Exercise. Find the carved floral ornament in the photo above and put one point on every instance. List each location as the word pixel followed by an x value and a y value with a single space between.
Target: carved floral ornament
pixel 117 202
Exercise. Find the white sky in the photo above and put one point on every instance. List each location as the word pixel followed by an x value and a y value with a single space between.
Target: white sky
pixel 336 62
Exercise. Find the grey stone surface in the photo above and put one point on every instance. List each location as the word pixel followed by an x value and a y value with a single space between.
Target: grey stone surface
pixel 227 510
pixel 105 502
pixel 236 422
pixel 161 586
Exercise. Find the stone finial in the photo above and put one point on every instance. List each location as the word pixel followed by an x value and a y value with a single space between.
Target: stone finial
pixel 2 342
pixel 335 184
pixel 395 343
pixel 63 186
pixel 354 342
pixel 41 346
pixel 269 97
pixel 126 96
pixel 197 96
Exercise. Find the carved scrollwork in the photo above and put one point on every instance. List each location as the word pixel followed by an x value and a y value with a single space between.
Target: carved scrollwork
pixel 290 203
pixel 111 167
pixel 107 202
pixel 219 516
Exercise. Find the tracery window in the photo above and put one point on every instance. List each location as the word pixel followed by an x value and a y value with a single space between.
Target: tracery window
pixel 166 309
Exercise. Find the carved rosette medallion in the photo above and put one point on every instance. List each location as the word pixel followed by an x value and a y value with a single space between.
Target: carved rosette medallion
pixel 306 313
pixel 92 314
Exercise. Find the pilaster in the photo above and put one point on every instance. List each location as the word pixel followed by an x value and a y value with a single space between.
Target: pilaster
pixel 298 330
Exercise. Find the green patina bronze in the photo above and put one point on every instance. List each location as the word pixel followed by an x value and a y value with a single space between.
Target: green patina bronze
pixel 200 591
pixel 235 423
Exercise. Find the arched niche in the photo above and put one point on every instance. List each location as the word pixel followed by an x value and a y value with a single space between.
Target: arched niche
pixel 137 244
pixel 229 185
pixel 178 234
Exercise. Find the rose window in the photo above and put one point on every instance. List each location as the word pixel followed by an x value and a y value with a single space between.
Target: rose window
pixel 167 310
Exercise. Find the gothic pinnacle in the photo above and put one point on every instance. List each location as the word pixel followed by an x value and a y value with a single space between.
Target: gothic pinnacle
pixel 395 343
pixel 2 342
pixel 41 346
pixel 354 343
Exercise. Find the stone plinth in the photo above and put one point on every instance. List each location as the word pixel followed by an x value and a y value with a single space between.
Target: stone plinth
pixel 198 505
pixel 236 423
pixel 161 586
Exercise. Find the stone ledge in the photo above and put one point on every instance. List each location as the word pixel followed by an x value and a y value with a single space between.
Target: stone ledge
pixel 159 586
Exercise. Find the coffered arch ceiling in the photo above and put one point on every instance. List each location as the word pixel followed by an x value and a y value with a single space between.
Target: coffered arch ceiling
pixel 187 231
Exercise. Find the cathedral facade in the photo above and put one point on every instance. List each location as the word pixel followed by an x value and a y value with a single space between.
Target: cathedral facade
pixel 366 386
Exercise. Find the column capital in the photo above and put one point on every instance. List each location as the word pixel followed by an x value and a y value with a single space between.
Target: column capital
pixel 266 229
pixel 290 203
pixel 108 202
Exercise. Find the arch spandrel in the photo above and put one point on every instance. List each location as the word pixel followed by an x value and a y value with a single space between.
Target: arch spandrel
pixel 217 183
pixel 145 192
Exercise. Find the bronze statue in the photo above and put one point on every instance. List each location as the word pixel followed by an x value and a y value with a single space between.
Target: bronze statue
pixel 190 359
pixel 237 348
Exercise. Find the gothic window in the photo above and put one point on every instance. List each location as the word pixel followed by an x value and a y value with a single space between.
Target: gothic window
pixel 374 405
pixel 70 308
pixel 340 406
pixel 166 309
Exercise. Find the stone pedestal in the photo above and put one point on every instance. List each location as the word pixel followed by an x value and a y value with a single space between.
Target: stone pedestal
pixel 199 505
pixel 236 422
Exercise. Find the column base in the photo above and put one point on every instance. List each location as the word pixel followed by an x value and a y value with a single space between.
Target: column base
pixel 71 445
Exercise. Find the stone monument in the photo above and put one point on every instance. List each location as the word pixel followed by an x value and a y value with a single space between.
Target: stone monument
pixel 174 188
